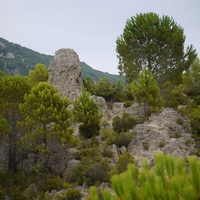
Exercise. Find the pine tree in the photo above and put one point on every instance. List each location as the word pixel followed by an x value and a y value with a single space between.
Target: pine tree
pixel 47 119
pixel 12 90
pixel 39 74
pixel 145 90
pixel 87 112
pixel 155 42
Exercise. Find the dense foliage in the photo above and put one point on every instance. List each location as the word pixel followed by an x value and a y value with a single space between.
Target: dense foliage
pixel 169 179
pixel 38 125
pixel 145 90
pixel 87 112
pixel 156 43
pixel 12 90
pixel 47 120
pixel 39 74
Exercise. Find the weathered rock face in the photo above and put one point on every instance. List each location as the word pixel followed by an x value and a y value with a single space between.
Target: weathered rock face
pixel 162 133
pixel 65 73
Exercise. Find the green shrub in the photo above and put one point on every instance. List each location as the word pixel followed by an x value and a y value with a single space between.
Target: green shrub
pixel 177 134
pixel 198 152
pixel 89 171
pixel 71 194
pixel 14 193
pixel 9 178
pixel 127 104
pixel 121 139
pixel 53 183
pixel 87 152
pixel 162 144
pixel 107 133
pixel 170 178
pixel 145 145
pixel 121 166
pixel 104 122
pixel 179 120
pixel 124 123
pixel 30 194
pixel 88 131
pixel 106 151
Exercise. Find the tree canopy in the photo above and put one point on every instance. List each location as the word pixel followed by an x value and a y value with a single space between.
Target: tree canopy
pixel 46 118
pixel 155 42
pixel 39 74
pixel 12 90
pixel 145 90
pixel 87 112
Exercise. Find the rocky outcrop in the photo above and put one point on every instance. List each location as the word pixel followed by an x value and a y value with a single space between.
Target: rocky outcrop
pixel 166 132
pixel 2 45
pixel 10 55
pixel 65 73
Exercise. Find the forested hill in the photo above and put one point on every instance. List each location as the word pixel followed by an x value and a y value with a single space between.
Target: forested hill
pixel 16 59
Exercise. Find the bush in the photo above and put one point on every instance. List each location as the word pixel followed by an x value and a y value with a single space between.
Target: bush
pixel 107 133
pixel 88 131
pixel 179 120
pixel 87 152
pixel 71 194
pixel 121 166
pixel 106 152
pixel 127 104
pixel 104 122
pixel 124 123
pixel 89 171
pixel 170 178
pixel 53 183
pixel 121 139
pixel 14 193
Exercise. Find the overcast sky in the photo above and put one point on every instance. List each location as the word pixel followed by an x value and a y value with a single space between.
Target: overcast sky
pixel 90 27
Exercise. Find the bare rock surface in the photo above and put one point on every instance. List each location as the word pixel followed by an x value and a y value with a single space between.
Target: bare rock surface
pixel 65 73
pixel 162 133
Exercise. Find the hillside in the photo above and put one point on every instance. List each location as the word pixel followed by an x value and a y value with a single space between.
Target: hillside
pixel 15 59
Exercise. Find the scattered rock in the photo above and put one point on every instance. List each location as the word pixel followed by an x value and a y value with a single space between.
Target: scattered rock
pixel 10 55
pixel 115 153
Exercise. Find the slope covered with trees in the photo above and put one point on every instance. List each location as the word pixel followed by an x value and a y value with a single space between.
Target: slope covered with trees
pixel 37 122
pixel 26 59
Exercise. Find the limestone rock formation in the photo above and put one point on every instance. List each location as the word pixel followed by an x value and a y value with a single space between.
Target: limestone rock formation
pixel 166 132
pixel 65 73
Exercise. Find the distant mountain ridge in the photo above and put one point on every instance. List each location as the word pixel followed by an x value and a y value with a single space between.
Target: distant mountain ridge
pixel 15 59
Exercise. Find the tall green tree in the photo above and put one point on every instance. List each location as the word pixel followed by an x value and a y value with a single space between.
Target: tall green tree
pixel 47 119
pixel 145 90
pixel 87 112
pixel 155 42
pixel 39 74
pixel 12 90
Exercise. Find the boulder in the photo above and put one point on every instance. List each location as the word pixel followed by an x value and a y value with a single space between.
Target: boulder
pixel 162 133
pixel 65 73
